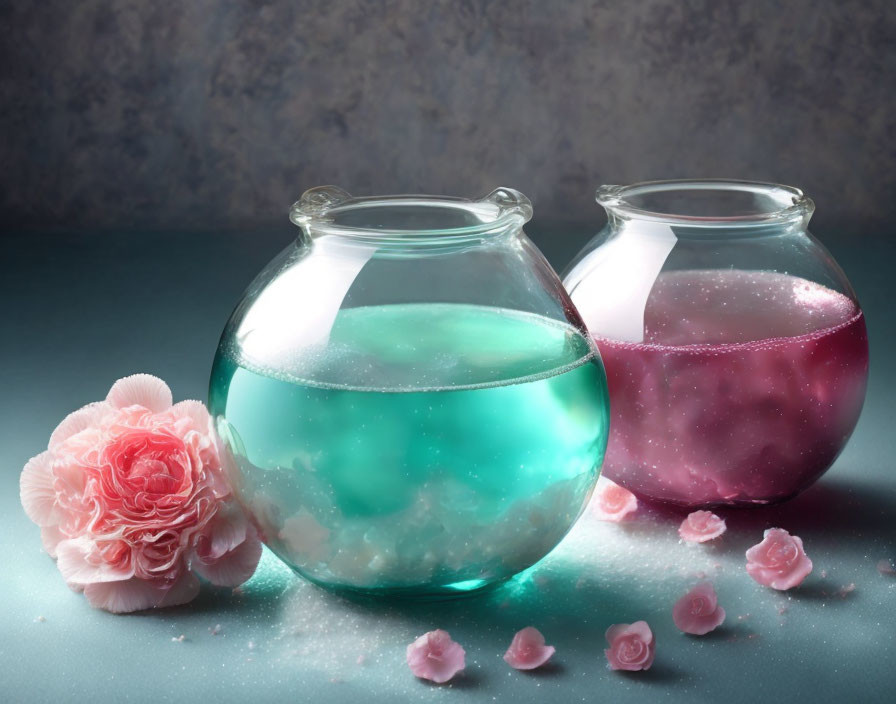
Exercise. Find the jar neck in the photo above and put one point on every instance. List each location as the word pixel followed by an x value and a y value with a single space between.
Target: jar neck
pixel 409 224
pixel 709 209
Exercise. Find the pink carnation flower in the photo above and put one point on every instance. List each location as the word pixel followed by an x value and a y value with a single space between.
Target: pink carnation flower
pixel 779 561
pixel 527 650
pixel 612 502
pixel 133 503
pixel 434 656
pixel 698 612
pixel 701 526
pixel 632 646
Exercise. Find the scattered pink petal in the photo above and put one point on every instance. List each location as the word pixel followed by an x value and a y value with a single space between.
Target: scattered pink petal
pixel 779 561
pixel 824 574
pixel 527 650
pixel 846 590
pixel 612 502
pixel 701 526
pixel 632 646
pixel 885 567
pixel 698 612
pixel 434 656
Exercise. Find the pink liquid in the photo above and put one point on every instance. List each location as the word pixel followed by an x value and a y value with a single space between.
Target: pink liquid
pixel 745 389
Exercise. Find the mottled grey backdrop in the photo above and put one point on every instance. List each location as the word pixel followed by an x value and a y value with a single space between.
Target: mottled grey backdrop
pixel 193 113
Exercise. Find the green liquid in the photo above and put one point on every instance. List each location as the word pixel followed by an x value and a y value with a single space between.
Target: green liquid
pixel 427 447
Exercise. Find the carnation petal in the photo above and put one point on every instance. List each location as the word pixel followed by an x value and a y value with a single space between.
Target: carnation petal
pixel 227 530
pixel 144 390
pixel 195 411
pixel 183 591
pixel 51 536
pixel 36 489
pixel 234 567
pixel 72 559
pixel 86 417
pixel 124 596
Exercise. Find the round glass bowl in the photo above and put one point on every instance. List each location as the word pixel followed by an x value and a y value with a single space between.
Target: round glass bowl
pixel 411 401
pixel 735 348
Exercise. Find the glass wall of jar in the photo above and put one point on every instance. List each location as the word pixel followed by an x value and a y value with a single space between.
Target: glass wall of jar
pixel 410 398
pixel 735 348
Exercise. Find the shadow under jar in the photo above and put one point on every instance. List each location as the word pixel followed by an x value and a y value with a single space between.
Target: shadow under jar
pixel 735 349
pixel 412 403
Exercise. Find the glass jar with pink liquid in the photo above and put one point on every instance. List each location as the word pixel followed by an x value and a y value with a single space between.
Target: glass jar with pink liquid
pixel 735 348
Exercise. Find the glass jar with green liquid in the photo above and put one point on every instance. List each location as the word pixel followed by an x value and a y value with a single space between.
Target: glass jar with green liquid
pixel 409 398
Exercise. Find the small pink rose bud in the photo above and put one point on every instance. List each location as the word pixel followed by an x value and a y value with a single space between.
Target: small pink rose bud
pixel 632 646
pixel 779 561
pixel 434 656
pixel 701 526
pixel 612 502
pixel 698 612
pixel 528 651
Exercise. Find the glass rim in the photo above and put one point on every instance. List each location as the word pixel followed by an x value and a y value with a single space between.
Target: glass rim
pixel 790 203
pixel 317 210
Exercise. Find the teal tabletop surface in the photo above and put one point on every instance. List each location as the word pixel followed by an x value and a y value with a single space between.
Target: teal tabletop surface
pixel 84 310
